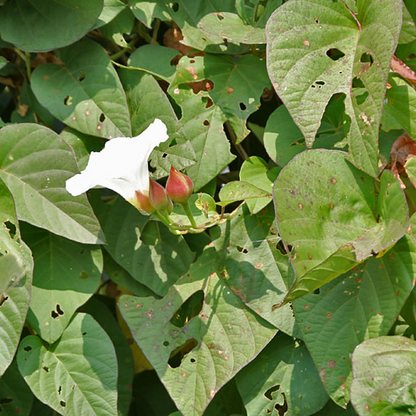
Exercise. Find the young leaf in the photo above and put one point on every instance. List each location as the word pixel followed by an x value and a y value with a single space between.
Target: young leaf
pixel 43 25
pixel 384 379
pixel 360 304
pixel 66 275
pixel 315 217
pixel 75 376
pixel 35 163
pixel 224 335
pixel 327 48
pixel 85 92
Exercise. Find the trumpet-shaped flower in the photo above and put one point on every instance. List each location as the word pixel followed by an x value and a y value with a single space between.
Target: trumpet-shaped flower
pixel 122 166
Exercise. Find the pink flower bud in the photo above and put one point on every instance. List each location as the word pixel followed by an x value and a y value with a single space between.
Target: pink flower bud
pixel 179 186
pixel 157 196
pixel 142 203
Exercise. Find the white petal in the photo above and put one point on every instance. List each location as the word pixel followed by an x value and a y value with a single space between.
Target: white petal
pixel 121 165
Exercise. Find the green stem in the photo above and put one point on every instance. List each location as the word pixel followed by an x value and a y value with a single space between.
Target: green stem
pixel 189 215
pixel 26 58
pixel 162 218
pixel 155 30
pixel 127 48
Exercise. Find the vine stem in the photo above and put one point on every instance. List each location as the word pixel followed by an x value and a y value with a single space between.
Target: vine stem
pixel 26 58
pixel 155 31
pixel 124 50
pixel 189 215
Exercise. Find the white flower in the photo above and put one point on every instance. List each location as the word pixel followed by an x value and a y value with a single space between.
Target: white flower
pixel 121 165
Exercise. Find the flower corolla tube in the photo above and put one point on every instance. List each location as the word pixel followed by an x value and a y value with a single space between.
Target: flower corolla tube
pixel 122 166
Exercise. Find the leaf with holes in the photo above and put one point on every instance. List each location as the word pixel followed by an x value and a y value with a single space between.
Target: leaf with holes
pixel 236 85
pixel 15 279
pixel 282 376
pixel 384 380
pixel 315 217
pixel 66 275
pixel 230 26
pixel 75 376
pixel 255 171
pixel 121 24
pixel 256 271
pixel 161 63
pixel 202 125
pixel 326 48
pixel 360 304
pixel 43 25
pixel 146 249
pixel 84 92
pixel 15 395
pixel 221 339
pixel 35 163
pixel 141 89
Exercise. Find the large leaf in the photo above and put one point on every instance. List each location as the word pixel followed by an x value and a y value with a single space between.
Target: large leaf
pixel 16 266
pixel 35 163
pixel 66 275
pixel 75 376
pixel 158 260
pixel 315 216
pixel 15 396
pixel 225 335
pixel 237 84
pixel 43 25
pixel 282 374
pixel 204 128
pixel 384 377
pixel 326 48
pixel 359 305
pixel 85 92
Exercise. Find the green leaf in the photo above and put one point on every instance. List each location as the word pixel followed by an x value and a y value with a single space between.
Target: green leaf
pixel 122 24
pixel 156 262
pixel 334 53
pixel 256 270
pixel 315 216
pixel 224 334
pixel 43 25
pixel 160 65
pixel 356 306
pixel 75 376
pixel 204 128
pixel 35 163
pixel 283 139
pixel 410 168
pixel 110 10
pixel 237 84
pixel 16 265
pixel 238 191
pixel 384 377
pixel 3 62
pixel 230 26
pixel 66 275
pixel 408 31
pixel 254 170
pixel 400 107
pixel 125 362
pixel 15 395
pixel 85 93
pixel 283 373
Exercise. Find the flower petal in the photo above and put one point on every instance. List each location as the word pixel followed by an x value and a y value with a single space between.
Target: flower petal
pixel 121 165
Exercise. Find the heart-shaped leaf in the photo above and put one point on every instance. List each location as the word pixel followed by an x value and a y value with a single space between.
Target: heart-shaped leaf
pixel 84 92
pixel 75 376
pixel 327 48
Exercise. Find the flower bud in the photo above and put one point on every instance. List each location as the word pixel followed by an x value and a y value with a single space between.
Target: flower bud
pixel 157 196
pixel 142 203
pixel 179 186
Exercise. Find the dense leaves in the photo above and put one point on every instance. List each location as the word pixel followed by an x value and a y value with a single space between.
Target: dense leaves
pixel 284 285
